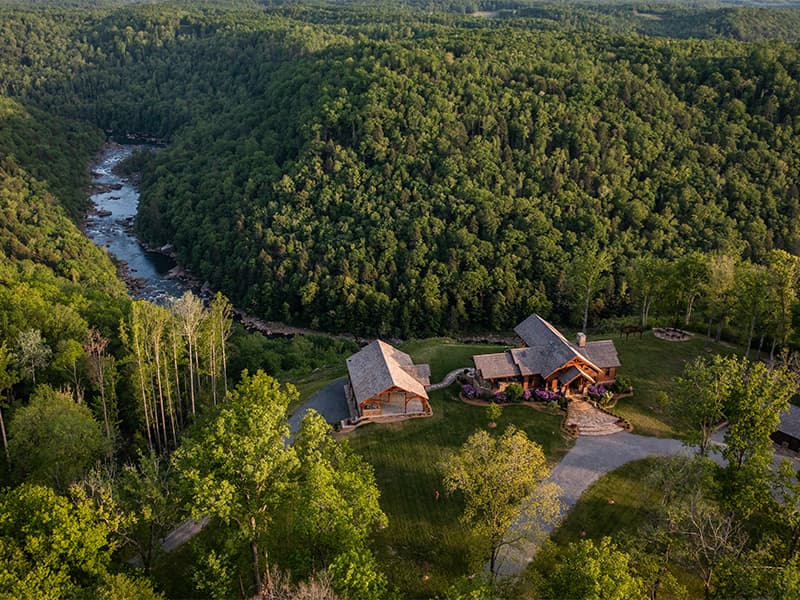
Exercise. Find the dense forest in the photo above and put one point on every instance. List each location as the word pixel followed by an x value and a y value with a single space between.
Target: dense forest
pixel 380 168
pixel 417 177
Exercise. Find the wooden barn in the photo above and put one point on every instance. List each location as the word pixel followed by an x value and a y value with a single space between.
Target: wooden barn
pixel 547 360
pixel 384 382
pixel 788 434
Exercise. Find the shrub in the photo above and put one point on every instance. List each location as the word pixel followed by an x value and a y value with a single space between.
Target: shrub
pixel 469 391
pixel 500 397
pixel 514 392
pixel 493 411
pixel 621 385
pixel 546 395
pixel 596 392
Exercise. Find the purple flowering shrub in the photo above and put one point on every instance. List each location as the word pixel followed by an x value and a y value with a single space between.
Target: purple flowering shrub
pixel 500 397
pixel 469 391
pixel 546 395
pixel 526 395
pixel 596 392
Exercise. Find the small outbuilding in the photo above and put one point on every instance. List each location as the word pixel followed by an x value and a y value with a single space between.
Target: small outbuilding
pixel 384 383
pixel 788 434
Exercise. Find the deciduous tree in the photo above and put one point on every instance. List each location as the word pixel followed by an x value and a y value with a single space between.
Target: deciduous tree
pixel 501 480
pixel 586 570
pixel 704 390
pixel 237 468
pixel 53 440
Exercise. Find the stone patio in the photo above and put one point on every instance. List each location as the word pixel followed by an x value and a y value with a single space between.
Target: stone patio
pixel 590 420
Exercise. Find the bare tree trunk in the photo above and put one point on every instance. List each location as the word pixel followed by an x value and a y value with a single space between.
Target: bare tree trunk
pixel 179 400
pixel 76 380
pixel 223 340
pixel 197 367
pixel 689 307
pixel 750 336
pixel 254 552
pixel 140 370
pixel 157 352
pixel 153 397
pixel 191 380
pixel 212 359
pixel 5 440
pixel 170 405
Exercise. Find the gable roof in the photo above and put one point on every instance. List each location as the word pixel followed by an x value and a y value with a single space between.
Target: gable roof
pixel 379 366
pixel 495 366
pixel 546 351
pixel 602 353
pixel 790 422
pixel 570 374
pixel 548 348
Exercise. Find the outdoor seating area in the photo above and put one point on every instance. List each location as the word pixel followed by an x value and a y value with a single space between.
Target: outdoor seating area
pixel 671 334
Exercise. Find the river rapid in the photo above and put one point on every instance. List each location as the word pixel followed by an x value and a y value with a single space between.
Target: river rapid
pixel 110 226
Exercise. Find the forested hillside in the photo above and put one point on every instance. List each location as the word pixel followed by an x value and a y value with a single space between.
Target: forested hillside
pixel 421 178
pixel 380 168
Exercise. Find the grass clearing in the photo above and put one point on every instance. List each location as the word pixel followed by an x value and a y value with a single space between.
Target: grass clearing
pixel 445 355
pixel 652 366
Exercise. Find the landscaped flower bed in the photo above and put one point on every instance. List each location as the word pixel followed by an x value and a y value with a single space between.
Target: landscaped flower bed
pixel 469 391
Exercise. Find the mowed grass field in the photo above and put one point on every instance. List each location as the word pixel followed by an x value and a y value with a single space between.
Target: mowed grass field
pixel 652 366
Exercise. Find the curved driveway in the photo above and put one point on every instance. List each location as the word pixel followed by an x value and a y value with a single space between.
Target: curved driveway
pixel 589 459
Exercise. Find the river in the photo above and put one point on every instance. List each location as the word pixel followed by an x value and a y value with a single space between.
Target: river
pixel 146 274
pixel 110 226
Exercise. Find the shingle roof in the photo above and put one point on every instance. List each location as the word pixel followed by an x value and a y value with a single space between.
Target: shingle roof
pixel 571 374
pixel 494 366
pixel 379 366
pixel 602 353
pixel 790 422
pixel 549 349
pixel 421 373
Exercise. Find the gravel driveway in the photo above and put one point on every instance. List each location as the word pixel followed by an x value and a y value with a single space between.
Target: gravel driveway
pixel 589 459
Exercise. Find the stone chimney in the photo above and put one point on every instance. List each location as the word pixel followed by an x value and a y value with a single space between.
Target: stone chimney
pixel 581 339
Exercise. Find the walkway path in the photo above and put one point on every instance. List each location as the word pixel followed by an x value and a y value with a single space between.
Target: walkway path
pixel 588 460
pixel 448 379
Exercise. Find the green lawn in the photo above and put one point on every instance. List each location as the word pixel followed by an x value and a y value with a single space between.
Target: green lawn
pixel 652 365
pixel 445 355
pixel 424 548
